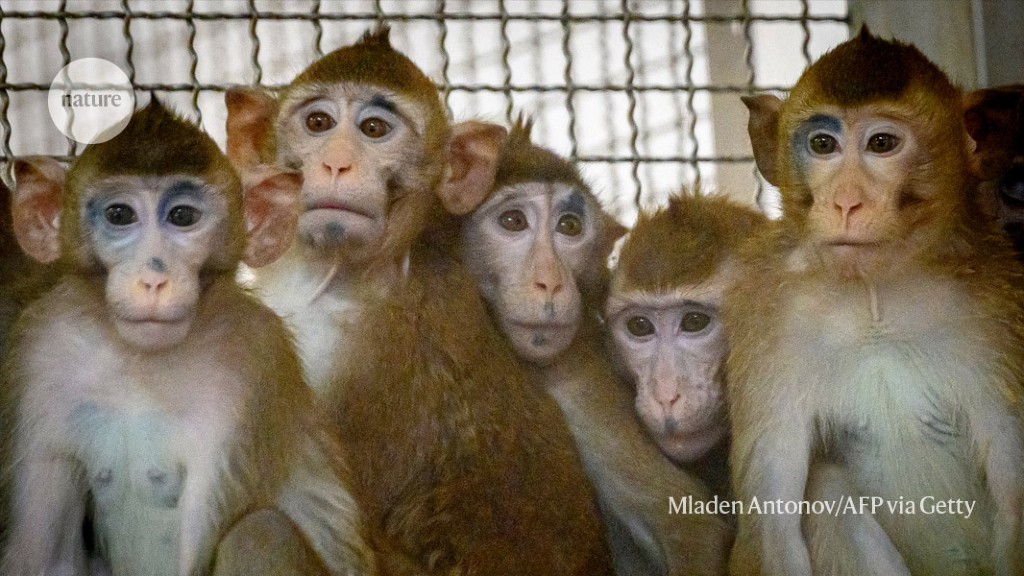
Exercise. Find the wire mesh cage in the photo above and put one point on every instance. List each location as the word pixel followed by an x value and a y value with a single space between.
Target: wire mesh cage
pixel 643 94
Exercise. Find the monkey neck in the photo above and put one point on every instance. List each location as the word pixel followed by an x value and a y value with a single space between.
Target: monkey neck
pixel 306 274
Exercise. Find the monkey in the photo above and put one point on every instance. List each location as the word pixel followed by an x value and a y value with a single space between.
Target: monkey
pixel 464 464
pixel 664 313
pixel 146 383
pixel 537 247
pixel 663 317
pixel 995 121
pixel 877 330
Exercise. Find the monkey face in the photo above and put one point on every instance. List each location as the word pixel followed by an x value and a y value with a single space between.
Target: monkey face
pixel 357 146
pixel 153 235
pixel 854 169
pixel 995 120
pixel 529 245
pixel 673 346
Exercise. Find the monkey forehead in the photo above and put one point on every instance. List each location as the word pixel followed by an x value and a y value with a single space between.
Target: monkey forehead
pixel 707 292
pixel 570 196
pixel 372 61
pixel 833 117
pixel 868 68
pixel 706 295
pixel 411 110
pixel 176 185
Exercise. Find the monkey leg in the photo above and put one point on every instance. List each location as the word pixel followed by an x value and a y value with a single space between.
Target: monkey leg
pixel 846 545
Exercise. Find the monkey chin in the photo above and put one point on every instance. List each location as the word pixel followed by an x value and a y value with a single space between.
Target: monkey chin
pixel 853 260
pixel 689 445
pixel 350 231
pixel 540 343
pixel 152 335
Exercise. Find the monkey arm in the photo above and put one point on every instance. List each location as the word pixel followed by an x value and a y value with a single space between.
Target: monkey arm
pixel 1000 441
pixel 47 536
pixel 771 464
pixel 632 478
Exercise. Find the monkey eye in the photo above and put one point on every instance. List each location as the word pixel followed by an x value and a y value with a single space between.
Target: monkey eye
pixel 317 122
pixel 570 225
pixel 882 143
pixel 375 127
pixel 694 322
pixel 183 216
pixel 823 144
pixel 513 220
pixel 640 326
pixel 120 215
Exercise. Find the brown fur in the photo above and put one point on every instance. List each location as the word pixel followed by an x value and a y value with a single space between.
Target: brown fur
pixel 698 231
pixel 936 283
pixel 277 437
pixel 632 479
pixel 995 120
pixel 464 465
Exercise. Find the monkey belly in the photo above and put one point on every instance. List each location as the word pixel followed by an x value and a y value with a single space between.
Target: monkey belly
pixel 136 482
pixel 891 413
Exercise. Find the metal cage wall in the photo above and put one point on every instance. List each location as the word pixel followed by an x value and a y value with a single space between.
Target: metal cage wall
pixel 644 94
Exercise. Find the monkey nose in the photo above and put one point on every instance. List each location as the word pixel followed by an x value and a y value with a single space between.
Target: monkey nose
pixel 667 402
pixel 153 284
pixel 550 286
pixel 337 168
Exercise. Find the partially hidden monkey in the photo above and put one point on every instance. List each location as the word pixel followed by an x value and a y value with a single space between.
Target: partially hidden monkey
pixel 995 120
pixel 538 247
pixel 877 330
pixel 147 384
pixel 664 312
pixel 466 467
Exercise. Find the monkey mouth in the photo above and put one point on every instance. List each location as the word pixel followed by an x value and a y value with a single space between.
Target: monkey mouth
pixel 851 243
pixel 149 331
pixel 544 326
pixel 154 320
pixel 337 206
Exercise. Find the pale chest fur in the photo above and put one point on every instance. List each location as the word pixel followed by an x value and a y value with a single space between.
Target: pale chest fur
pixel 907 354
pixel 148 433
pixel 322 331
pixel 318 310
pixel 910 350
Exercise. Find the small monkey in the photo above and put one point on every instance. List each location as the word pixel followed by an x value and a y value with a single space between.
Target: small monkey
pixel 538 246
pixel 466 467
pixel 146 382
pixel 664 316
pixel 995 120
pixel 877 330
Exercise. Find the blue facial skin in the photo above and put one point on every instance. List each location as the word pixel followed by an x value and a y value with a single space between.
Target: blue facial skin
pixel 574 204
pixel 335 232
pixel 382 102
pixel 123 239
pixel 173 195
pixel 799 147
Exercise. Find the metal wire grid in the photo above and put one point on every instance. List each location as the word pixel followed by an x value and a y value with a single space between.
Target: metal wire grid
pixel 635 115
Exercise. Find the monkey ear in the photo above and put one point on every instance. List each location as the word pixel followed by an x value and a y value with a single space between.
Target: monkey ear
pixel 36 206
pixel 611 227
pixel 473 161
pixel 272 198
pixel 250 126
pixel 763 124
